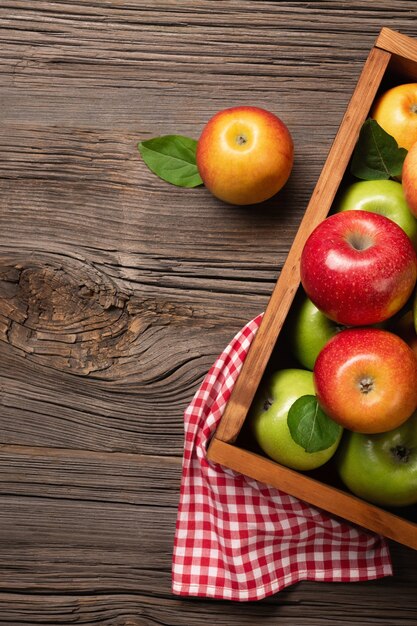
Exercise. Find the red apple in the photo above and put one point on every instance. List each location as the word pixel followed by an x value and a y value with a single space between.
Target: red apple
pixel 409 179
pixel 245 155
pixel 366 380
pixel 358 268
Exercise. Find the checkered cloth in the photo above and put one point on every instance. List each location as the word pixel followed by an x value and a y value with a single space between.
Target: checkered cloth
pixel 238 539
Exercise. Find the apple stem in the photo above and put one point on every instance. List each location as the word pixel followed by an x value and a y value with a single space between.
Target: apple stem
pixel 401 453
pixel 366 384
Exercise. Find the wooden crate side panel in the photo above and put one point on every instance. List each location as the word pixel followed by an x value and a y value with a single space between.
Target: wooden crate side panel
pixel 403 51
pixel 314 492
pixel 398 44
pixel 289 280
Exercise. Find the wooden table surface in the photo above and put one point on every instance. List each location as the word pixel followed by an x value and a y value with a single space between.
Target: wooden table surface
pixel 118 291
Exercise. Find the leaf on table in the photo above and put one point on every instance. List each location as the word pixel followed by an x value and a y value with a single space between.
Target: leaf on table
pixel 172 158
pixel 310 427
pixel 376 155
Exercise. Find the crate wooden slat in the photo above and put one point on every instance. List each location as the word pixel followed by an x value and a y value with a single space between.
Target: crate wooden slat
pixel 315 492
pixel 393 53
pixel 403 52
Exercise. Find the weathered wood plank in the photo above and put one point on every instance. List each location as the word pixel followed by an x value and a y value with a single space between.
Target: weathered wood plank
pixel 118 291
pixel 84 475
pixel 72 521
pixel 390 601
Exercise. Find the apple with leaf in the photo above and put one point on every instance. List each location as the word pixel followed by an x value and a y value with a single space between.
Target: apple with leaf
pixel 244 156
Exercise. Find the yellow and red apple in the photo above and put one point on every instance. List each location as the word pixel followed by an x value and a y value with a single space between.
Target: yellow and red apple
pixel 366 380
pixel 396 111
pixel 245 155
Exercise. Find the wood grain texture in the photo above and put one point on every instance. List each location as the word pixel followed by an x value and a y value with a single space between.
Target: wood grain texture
pixel 118 291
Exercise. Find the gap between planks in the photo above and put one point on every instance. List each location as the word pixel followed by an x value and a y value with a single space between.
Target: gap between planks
pixel 90 455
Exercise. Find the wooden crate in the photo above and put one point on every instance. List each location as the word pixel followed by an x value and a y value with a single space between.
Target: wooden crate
pixel 392 60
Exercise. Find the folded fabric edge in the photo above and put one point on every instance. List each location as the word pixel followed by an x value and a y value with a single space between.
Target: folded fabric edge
pixel 263 591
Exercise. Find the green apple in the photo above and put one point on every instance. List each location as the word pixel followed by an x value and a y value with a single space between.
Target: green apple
pixel 268 419
pixel 381 468
pixel 308 331
pixel 385 197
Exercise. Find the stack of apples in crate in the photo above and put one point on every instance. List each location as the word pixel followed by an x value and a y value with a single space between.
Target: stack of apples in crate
pixel 352 330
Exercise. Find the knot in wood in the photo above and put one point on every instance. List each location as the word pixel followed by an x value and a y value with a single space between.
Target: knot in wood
pixel 71 317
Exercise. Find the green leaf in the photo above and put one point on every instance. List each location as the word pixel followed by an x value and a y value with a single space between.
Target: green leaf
pixel 310 427
pixel 172 158
pixel 377 155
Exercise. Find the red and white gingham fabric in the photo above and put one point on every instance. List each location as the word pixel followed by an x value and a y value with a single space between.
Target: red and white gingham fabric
pixel 238 539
